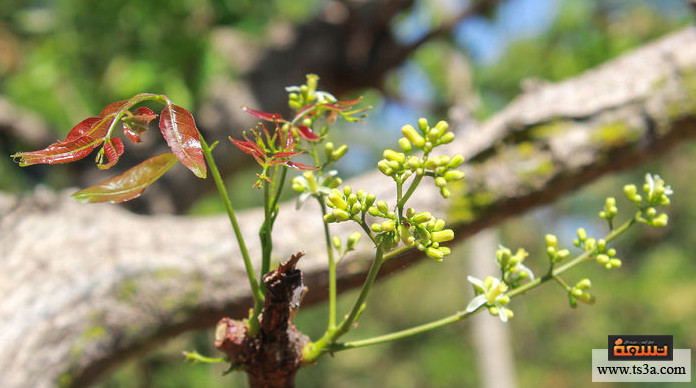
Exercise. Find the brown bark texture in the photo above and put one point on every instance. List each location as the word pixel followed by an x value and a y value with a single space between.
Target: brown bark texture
pixel 84 287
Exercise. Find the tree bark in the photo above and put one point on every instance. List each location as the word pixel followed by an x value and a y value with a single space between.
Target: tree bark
pixel 84 287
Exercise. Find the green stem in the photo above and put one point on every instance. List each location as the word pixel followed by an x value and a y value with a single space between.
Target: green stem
pixel 265 231
pixel 334 347
pixel 314 350
pixel 397 335
pixel 411 189
pixel 332 270
pixel 224 196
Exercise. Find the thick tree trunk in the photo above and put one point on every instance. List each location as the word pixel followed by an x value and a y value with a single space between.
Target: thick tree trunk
pixel 82 287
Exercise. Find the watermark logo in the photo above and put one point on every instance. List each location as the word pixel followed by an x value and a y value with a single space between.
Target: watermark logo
pixel 640 347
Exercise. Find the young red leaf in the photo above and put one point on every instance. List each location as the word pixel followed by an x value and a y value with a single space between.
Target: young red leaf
pixel 300 166
pixel 180 132
pixel 248 147
pixel 138 123
pixel 263 115
pixel 80 142
pixel 113 149
pixel 130 184
pixel 306 133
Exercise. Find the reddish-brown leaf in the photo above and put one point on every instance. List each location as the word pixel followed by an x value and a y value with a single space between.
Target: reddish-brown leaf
pixel 113 149
pixel 306 133
pixel 118 106
pixel 81 140
pixel 180 132
pixel 138 123
pixel 249 147
pixel 300 166
pixel 130 184
pixel 263 115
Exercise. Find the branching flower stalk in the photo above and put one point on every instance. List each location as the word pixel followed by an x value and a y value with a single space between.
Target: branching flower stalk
pixel 267 345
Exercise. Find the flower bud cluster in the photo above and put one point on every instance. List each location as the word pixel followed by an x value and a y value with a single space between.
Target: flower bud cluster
pixel 598 248
pixel 511 266
pixel 555 255
pixel 308 184
pixel 300 96
pixel 579 293
pixel 401 165
pixel 425 232
pixel 347 205
pixel 656 194
pixel 609 212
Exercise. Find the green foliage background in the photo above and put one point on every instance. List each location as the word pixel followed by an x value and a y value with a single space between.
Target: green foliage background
pixel 91 53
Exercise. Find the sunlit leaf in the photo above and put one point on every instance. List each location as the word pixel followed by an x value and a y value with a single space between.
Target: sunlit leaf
pixel 130 184
pixel 80 142
pixel 180 132
pixel 138 123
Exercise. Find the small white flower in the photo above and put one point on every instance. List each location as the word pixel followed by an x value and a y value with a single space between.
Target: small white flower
pixel 490 292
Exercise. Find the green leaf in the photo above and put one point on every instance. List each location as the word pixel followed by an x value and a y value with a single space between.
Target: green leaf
pixel 130 184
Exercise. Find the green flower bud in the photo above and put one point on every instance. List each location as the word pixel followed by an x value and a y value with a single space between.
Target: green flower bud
pixel 373 211
pixel 329 218
pixel 660 221
pixel 341 215
pixel 347 190
pixel 438 225
pixel 611 252
pixel 422 217
pixel 338 153
pixel 442 235
pixel 353 240
pixel 377 228
pixel 602 258
pixel 414 162
pixel 444 192
pixel 423 125
pixel 586 298
pixel 434 253
pixel 584 284
pixel 336 242
pixel 369 199
pixel 410 212
pixel 562 254
pixel 383 167
pixel 405 145
pixel 383 207
pixel 440 182
pixel 297 186
pixel 551 241
pixel 601 245
pixel 447 138
pixel 445 250
pixel 356 208
pixel 328 149
pixel 433 135
pixel 651 212
pixel 412 135
pixel 456 161
pixel 442 127
pixel 615 263
pixel 336 200
pixel 392 155
pixel 453 175
pixel 582 234
pixel 388 225
pixel 630 191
